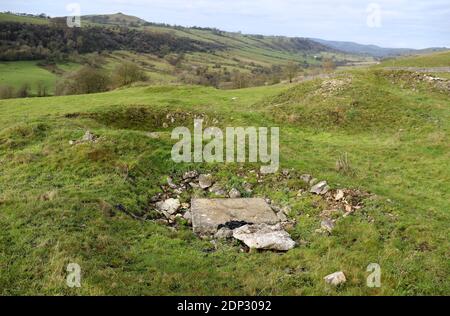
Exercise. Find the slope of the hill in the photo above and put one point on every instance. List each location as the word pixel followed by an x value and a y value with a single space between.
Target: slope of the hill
pixel 63 203
pixel 441 59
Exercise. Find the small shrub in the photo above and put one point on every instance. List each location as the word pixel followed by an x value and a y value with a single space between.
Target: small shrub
pixel 6 92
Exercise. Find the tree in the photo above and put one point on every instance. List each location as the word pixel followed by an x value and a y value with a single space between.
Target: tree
pixel 328 65
pixel 84 81
pixel 41 89
pixel 128 73
pixel 292 69
pixel 24 91
pixel 6 92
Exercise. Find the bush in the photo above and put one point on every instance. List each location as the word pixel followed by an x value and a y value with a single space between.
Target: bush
pixel 84 81
pixel 6 92
pixel 128 73
pixel 24 91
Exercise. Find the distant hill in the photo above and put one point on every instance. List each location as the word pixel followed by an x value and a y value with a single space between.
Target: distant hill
pixel 373 50
pixel 115 19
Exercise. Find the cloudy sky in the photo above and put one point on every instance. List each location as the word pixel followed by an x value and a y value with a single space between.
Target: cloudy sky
pixel 390 23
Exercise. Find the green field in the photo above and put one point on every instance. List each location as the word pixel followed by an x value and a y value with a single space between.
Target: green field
pixel 395 131
pixel 18 73
pixel 430 60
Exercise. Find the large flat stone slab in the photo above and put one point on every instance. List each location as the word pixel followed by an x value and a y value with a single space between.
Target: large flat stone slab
pixel 208 214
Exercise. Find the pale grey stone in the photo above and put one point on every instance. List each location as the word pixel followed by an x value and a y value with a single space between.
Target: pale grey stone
pixel 171 206
pixel 208 214
pixel 205 181
pixel 224 233
pixel 320 188
pixel 234 194
pixel 336 278
pixel 263 236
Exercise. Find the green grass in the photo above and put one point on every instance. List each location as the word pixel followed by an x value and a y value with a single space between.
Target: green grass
pixel 4 17
pixel 396 134
pixel 18 73
pixel 441 59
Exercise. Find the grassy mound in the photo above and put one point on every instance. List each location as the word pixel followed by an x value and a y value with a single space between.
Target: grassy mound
pixel 359 102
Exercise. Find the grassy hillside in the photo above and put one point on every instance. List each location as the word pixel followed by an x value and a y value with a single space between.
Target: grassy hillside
pixel 57 200
pixel 441 59
pixel 5 17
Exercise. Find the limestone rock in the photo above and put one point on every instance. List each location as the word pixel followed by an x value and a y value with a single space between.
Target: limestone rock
pixel 209 214
pixel 328 225
pixel 306 178
pixel 88 137
pixel 171 206
pixel 336 278
pixel 266 237
pixel 224 233
pixel 205 181
pixel 234 194
pixel 320 188
pixel 190 175
pixel 339 195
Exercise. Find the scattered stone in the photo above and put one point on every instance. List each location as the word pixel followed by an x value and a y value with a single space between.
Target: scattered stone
pixel 154 135
pixel 327 225
pixel 188 217
pixel 300 193
pixel 234 194
pixel 336 278
pixel 339 195
pixel 348 210
pixel 217 189
pixel 208 214
pixel 224 233
pixel 306 178
pixel 171 184
pixel 205 181
pixel 266 237
pixel 320 188
pixel 194 185
pixel 313 181
pixel 285 172
pixel 190 175
pixel 185 206
pixel 248 187
pixel 88 137
pixel 171 206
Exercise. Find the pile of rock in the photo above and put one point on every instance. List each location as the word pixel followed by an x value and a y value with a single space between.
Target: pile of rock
pixel 251 221
pixel 258 223
pixel 169 205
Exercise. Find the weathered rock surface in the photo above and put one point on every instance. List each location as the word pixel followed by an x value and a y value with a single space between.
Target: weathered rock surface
pixel 336 278
pixel 209 214
pixel 205 181
pixel 234 194
pixel 266 237
pixel 327 225
pixel 320 188
pixel 171 206
pixel 224 233
pixel 306 178
pixel 217 189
